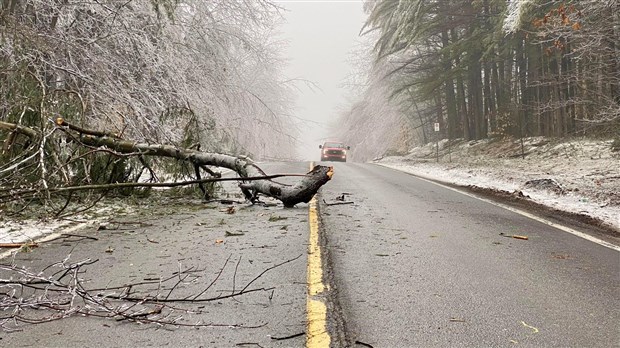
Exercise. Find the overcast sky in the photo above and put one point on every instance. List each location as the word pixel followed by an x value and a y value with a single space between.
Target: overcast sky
pixel 321 37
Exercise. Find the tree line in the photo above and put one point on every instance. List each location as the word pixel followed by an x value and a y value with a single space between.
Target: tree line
pixel 489 68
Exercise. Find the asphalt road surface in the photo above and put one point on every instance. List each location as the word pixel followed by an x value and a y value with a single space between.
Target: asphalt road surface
pixel 420 265
pixel 403 262
pixel 191 254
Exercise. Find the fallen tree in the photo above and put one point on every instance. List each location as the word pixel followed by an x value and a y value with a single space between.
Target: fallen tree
pixel 253 180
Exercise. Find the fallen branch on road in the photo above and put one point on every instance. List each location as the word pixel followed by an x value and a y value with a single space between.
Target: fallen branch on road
pixel 144 184
pixel 46 165
pixel 336 203
pixel 290 195
pixel 288 337
pixel 18 245
pixel 57 292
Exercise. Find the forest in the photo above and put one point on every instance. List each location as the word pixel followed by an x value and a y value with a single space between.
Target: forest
pixel 487 68
pixel 200 75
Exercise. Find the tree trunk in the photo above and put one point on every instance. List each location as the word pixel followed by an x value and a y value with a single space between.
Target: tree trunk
pixel 523 90
pixel 460 94
pixel 451 108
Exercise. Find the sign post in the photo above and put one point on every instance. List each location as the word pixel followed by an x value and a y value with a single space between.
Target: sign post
pixel 436 126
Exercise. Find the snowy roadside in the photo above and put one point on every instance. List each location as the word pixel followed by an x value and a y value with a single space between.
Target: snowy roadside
pixel 580 176
pixel 29 230
pixel 16 231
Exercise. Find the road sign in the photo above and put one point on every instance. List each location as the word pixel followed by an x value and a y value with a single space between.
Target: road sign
pixel 436 126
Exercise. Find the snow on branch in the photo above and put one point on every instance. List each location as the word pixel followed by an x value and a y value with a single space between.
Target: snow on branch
pixel 514 13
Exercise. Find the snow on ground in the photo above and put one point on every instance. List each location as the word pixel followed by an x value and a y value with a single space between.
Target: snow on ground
pixel 29 230
pixel 586 173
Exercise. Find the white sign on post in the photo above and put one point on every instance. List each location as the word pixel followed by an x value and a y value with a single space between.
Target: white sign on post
pixel 436 126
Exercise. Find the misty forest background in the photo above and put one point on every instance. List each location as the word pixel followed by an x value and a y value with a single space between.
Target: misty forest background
pixel 209 75
pixel 487 68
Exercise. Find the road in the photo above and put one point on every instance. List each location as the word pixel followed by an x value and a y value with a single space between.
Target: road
pixel 402 263
pixel 172 249
pixel 420 265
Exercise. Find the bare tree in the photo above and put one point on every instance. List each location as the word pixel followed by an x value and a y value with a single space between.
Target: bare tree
pixel 371 121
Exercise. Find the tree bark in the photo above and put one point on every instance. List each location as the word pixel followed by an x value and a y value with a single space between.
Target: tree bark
pixel 451 108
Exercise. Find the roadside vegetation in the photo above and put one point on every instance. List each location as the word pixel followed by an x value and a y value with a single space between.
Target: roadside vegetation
pixel 199 75
pixel 483 69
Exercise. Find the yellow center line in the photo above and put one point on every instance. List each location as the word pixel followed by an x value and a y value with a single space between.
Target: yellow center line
pixel 316 310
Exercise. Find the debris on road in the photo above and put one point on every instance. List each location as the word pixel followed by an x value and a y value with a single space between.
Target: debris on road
pixel 343 196
pixel 234 234
pixel 534 330
pixel 340 199
pixel 515 236
pixel 228 210
pixel 18 245
pixel 274 218
pixel 337 203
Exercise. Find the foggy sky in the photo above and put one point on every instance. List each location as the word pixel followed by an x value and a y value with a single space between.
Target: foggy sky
pixel 321 36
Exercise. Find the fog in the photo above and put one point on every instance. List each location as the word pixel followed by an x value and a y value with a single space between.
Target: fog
pixel 321 36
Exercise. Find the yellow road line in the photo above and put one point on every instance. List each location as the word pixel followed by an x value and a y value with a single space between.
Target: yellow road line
pixel 316 310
